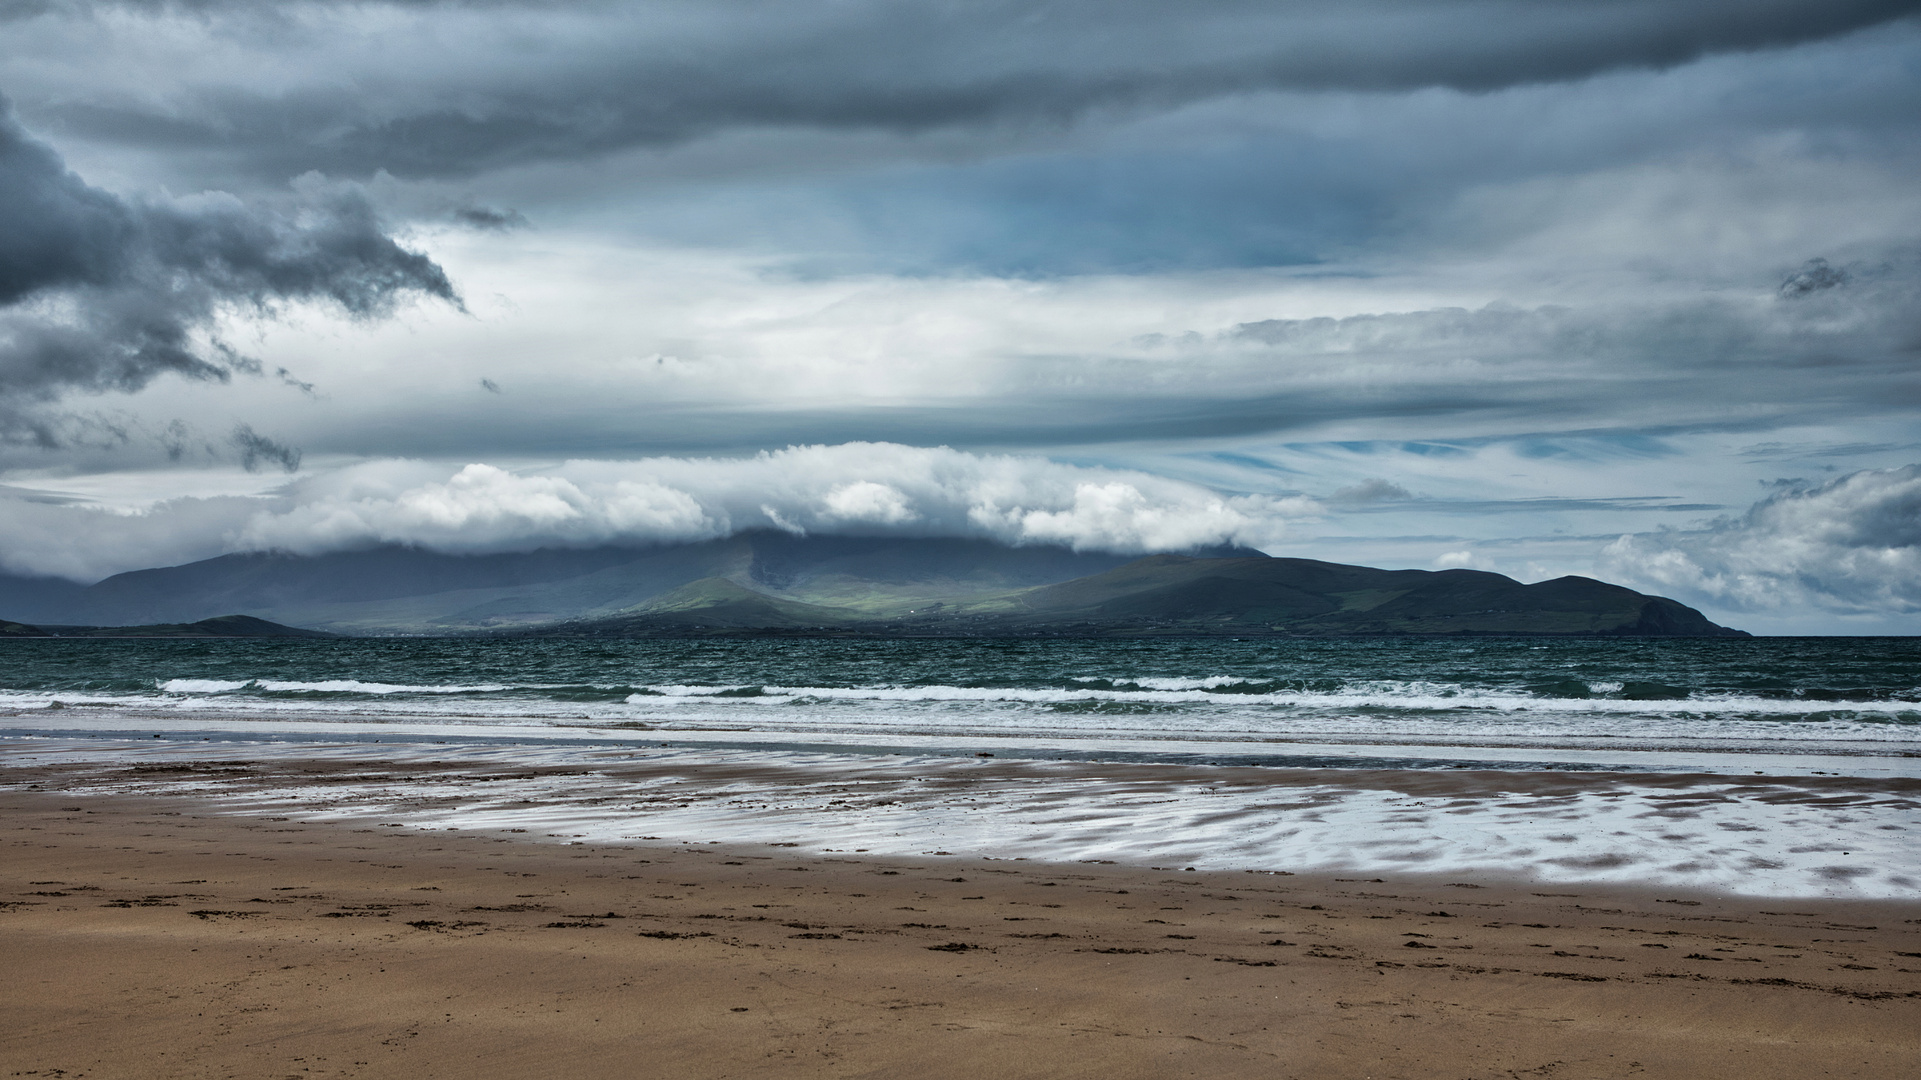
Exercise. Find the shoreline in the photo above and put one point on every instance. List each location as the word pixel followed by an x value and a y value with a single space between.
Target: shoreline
pixel 90 720
pixel 163 935
pixel 1748 834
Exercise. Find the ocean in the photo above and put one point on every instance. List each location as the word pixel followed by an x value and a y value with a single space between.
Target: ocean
pixel 1766 766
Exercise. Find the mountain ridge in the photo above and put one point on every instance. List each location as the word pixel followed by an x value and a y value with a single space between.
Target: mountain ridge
pixel 780 583
pixel 1172 595
pixel 395 589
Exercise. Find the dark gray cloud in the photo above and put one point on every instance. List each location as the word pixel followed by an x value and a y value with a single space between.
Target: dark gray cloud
pixel 1302 179
pixel 258 451
pixel 1813 277
pixel 497 84
pixel 100 293
pixel 489 219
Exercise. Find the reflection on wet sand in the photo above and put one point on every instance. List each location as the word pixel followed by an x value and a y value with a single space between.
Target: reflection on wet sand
pixel 1756 835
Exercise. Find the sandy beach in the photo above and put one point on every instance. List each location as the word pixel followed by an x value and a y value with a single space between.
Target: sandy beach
pixel 161 933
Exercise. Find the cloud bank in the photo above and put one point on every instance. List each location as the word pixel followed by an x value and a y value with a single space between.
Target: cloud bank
pixel 1851 546
pixel 849 489
pixel 99 293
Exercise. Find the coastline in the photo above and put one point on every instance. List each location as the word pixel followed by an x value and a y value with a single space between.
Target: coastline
pixel 1757 832
pixel 168 930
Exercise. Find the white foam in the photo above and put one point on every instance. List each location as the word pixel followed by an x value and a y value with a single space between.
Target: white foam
pixel 1066 716
pixel 201 686
pixel 1363 695
pixel 1411 695
pixel 1211 682
pixel 355 686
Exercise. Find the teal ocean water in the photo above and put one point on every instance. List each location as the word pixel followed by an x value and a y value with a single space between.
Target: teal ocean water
pixel 1229 698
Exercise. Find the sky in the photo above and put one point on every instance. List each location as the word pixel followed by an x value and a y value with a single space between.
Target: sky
pixel 1622 288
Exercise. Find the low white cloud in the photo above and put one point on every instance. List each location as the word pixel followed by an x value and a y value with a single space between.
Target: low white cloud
pixel 866 501
pixel 851 488
pixel 1373 490
pixel 478 508
pixel 85 543
pixel 1852 546
pixel 848 488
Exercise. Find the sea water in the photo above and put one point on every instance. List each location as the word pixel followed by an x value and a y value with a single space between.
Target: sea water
pixel 1243 752
pixel 1227 699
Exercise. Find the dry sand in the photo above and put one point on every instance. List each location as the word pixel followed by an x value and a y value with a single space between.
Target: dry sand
pixel 164 937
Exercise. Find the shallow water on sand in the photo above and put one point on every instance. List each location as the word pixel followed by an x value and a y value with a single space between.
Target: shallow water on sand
pixel 1754 834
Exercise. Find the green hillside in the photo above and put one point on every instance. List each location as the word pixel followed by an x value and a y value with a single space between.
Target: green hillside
pixel 1303 596
pixel 720 604
pixel 1176 595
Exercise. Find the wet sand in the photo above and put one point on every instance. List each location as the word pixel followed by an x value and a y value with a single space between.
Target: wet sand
pixel 161 936
pixel 1758 834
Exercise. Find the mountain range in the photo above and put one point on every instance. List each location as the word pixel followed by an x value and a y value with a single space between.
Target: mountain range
pixel 774 582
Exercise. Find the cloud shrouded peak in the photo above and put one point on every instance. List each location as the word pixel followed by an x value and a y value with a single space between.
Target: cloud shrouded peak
pixel 848 489
pixel 100 293
pixel 853 488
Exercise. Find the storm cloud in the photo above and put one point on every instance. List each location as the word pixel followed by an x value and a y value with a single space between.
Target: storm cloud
pixel 101 293
pixel 450 90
